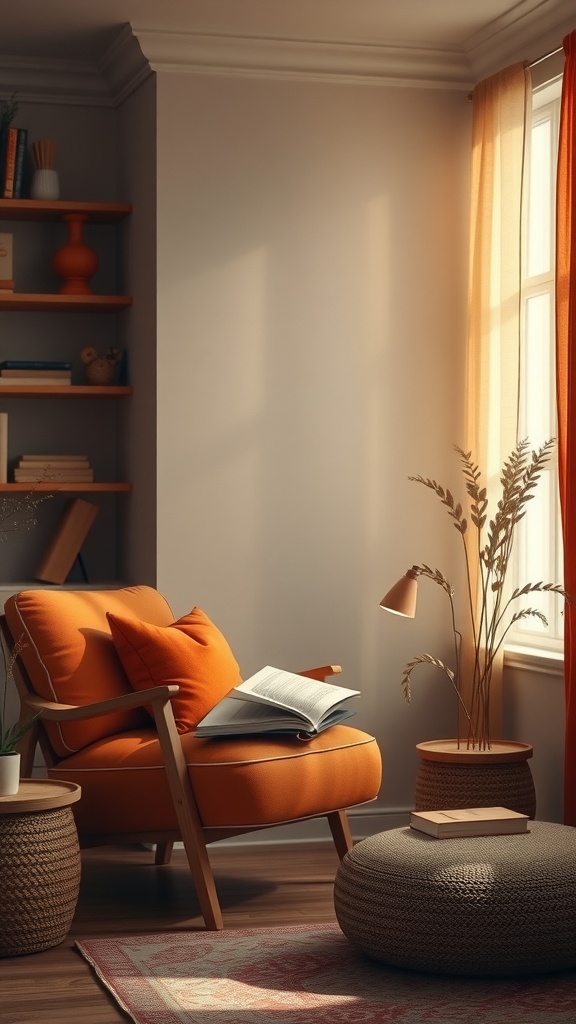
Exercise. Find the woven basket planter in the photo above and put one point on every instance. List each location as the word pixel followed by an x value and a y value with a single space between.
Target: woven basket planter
pixel 448 778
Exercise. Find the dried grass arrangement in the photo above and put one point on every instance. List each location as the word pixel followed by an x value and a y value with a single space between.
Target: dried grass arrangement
pixel 491 546
pixel 44 154
pixel 8 111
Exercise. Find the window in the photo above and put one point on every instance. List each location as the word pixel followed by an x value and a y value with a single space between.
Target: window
pixel 539 540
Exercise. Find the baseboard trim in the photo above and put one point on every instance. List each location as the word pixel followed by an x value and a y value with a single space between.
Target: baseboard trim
pixel 363 823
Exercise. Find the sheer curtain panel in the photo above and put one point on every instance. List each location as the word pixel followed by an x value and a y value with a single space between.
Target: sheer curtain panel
pixel 501 108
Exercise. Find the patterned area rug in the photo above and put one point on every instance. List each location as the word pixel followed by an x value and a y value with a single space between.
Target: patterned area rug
pixel 305 975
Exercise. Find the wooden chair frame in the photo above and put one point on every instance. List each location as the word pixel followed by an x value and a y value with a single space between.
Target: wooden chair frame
pixel 191 832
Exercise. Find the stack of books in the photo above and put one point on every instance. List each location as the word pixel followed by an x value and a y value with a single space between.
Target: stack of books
pixel 469 821
pixel 24 372
pixel 40 468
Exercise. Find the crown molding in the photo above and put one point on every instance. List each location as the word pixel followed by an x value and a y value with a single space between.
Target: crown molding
pixel 532 30
pixel 124 66
pixel 66 82
pixel 303 59
pixel 103 83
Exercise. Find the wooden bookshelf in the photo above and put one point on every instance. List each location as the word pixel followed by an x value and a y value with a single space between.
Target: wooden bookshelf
pixel 64 391
pixel 41 209
pixel 47 213
pixel 55 303
pixel 62 487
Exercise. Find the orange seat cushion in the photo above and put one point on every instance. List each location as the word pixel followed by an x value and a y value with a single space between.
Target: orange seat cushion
pixel 69 655
pixel 236 782
pixel 191 653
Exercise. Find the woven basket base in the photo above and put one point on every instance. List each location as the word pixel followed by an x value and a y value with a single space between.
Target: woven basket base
pixel 443 786
pixel 39 879
pixel 485 906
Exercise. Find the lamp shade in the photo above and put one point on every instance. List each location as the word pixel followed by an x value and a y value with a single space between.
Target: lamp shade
pixel 401 599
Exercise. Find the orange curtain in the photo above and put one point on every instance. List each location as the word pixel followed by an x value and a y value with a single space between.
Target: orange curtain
pixel 566 395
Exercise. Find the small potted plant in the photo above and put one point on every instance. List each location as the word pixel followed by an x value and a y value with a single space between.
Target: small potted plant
pixel 11 735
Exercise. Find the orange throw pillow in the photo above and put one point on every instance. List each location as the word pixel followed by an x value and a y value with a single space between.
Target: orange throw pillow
pixel 190 652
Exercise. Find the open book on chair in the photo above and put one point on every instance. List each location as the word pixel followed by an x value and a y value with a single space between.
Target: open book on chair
pixel 273 700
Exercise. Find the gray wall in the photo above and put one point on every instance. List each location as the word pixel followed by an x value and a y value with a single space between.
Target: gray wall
pixel 312 250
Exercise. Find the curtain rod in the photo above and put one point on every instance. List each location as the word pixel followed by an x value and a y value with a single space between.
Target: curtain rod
pixel 538 60
pixel 532 63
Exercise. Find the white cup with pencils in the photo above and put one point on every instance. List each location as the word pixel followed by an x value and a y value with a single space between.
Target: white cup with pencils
pixel 45 184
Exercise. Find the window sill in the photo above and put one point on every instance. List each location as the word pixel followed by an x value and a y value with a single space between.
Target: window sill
pixel 534 659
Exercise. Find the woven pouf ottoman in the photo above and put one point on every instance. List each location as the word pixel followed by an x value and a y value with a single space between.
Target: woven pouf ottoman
pixel 484 906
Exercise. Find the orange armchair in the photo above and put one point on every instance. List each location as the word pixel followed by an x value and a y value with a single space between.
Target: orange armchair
pixel 121 685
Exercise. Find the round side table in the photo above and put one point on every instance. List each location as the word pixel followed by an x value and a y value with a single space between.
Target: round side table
pixel 39 866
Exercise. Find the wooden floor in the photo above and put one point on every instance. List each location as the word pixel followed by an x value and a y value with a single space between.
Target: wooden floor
pixel 122 892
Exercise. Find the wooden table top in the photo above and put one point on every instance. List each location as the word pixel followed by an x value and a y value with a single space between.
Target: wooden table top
pixel 40 795
pixel 448 750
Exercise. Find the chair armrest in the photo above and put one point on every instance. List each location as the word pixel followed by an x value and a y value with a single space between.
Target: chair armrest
pixel 322 672
pixel 68 712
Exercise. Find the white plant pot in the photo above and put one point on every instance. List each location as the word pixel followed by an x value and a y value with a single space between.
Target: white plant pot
pixel 45 184
pixel 9 774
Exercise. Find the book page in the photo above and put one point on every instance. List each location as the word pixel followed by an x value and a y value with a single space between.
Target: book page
pixel 309 697
pixel 470 814
pixel 233 714
pixel 244 717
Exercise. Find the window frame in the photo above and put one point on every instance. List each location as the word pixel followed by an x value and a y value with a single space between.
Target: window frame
pixel 529 634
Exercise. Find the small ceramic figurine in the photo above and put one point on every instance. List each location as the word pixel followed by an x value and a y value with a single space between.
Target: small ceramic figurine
pixel 100 369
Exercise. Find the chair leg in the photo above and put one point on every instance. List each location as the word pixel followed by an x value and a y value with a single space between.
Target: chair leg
pixel 188 819
pixel 340 832
pixel 201 871
pixel 163 853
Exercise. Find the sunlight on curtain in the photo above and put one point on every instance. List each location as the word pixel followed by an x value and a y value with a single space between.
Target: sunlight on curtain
pixel 566 394
pixel 500 116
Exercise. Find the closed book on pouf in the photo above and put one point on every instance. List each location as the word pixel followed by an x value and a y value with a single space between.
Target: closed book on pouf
pixel 469 821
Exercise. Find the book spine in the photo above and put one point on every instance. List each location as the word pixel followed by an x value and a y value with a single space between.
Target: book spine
pixel 21 148
pixel 3 447
pixel 53 458
pixel 34 364
pixel 455 834
pixel 62 467
pixel 28 381
pixel 10 162
pixel 44 374
pixel 80 461
pixel 72 476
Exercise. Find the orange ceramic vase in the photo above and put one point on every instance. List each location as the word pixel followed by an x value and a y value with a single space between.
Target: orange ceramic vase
pixel 75 262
